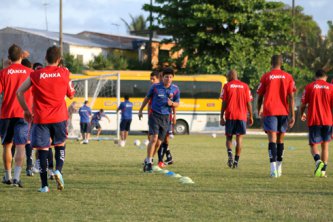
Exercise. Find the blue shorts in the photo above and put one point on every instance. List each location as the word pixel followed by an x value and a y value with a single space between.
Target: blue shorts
pixel 235 127
pixel 319 134
pixel 41 134
pixel 125 124
pixel 14 130
pixel 158 125
pixel 85 127
pixel 277 124
pixel 95 125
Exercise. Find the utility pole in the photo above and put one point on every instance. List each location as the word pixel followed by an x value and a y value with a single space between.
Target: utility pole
pixel 294 34
pixel 45 10
pixel 150 34
pixel 60 28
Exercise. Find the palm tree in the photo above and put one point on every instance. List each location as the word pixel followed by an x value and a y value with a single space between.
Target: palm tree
pixel 137 26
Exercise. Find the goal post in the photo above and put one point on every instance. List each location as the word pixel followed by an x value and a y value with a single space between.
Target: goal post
pixel 102 92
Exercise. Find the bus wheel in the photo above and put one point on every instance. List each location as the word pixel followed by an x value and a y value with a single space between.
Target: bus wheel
pixel 181 127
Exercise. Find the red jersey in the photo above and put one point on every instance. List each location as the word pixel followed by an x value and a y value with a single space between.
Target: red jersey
pixel 236 94
pixel 11 78
pixel 319 97
pixel 275 86
pixel 50 86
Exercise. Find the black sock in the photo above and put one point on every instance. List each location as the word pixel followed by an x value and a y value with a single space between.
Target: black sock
pixel 160 153
pixel 28 153
pixel 229 153
pixel 167 152
pixel 236 158
pixel 280 149
pixel 50 158
pixel 42 155
pixel 324 168
pixel 272 152
pixel 316 157
pixel 59 157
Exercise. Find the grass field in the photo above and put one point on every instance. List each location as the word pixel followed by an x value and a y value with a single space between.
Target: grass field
pixel 105 183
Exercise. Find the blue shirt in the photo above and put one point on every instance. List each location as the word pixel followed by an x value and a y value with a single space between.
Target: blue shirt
pixel 97 117
pixel 84 113
pixel 126 110
pixel 159 95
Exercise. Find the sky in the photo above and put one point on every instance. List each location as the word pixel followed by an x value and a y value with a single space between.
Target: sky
pixel 105 15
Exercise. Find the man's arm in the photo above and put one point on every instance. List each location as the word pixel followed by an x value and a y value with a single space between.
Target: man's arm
pixel 223 107
pixel 174 118
pixel 20 97
pixel 292 109
pixel 144 103
pixel 249 108
pixel 259 103
pixel 302 113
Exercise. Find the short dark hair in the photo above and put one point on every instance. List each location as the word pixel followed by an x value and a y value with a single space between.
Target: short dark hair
pixel 15 53
pixel 276 60
pixel 320 73
pixel 26 63
pixel 155 73
pixel 37 66
pixel 126 97
pixel 53 54
pixel 168 71
pixel 101 110
pixel 85 102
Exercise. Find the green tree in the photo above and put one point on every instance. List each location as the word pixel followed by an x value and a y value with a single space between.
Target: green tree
pixel 137 26
pixel 73 64
pixel 100 62
pixel 219 35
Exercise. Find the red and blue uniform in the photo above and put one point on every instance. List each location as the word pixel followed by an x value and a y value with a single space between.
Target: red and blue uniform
pixel 319 97
pixel 13 127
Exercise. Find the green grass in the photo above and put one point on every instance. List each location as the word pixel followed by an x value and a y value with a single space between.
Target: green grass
pixel 106 183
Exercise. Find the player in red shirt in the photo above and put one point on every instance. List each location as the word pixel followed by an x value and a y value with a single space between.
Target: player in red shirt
pixel 277 90
pixel 318 95
pixel 50 86
pixel 13 127
pixel 237 98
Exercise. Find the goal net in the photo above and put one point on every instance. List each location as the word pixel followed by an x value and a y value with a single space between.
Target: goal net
pixel 102 92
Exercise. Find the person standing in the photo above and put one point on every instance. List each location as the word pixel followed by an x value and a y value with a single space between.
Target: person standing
pixel 164 95
pixel 95 121
pixel 276 93
pixel 85 115
pixel 126 119
pixel 236 104
pixel 71 110
pixel 50 86
pixel 14 129
pixel 318 96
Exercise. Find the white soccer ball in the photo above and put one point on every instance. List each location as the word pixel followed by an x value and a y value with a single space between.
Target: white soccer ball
pixel 214 135
pixel 146 142
pixel 171 136
pixel 122 143
pixel 137 142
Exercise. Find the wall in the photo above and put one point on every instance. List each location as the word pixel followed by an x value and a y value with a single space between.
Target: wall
pixel 88 53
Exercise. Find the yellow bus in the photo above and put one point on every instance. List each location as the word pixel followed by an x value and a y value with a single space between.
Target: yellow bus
pixel 199 108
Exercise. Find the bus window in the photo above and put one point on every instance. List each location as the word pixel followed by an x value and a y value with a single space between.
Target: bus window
pixel 207 90
pixel 186 88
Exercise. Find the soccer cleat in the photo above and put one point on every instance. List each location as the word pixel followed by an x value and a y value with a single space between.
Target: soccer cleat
pixel 161 165
pixel 323 174
pixel 274 174
pixel 279 169
pixel 8 182
pixel 149 168
pixel 29 173
pixel 60 181
pixel 17 183
pixel 44 189
pixel 168 161
pixel 235 165
pixel 230 162
pixel 319 166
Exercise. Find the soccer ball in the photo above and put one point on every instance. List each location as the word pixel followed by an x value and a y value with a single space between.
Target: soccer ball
pixel 214 135
pixel 137 142
pixel 122 143
pixel 171 136
pixel 146 142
